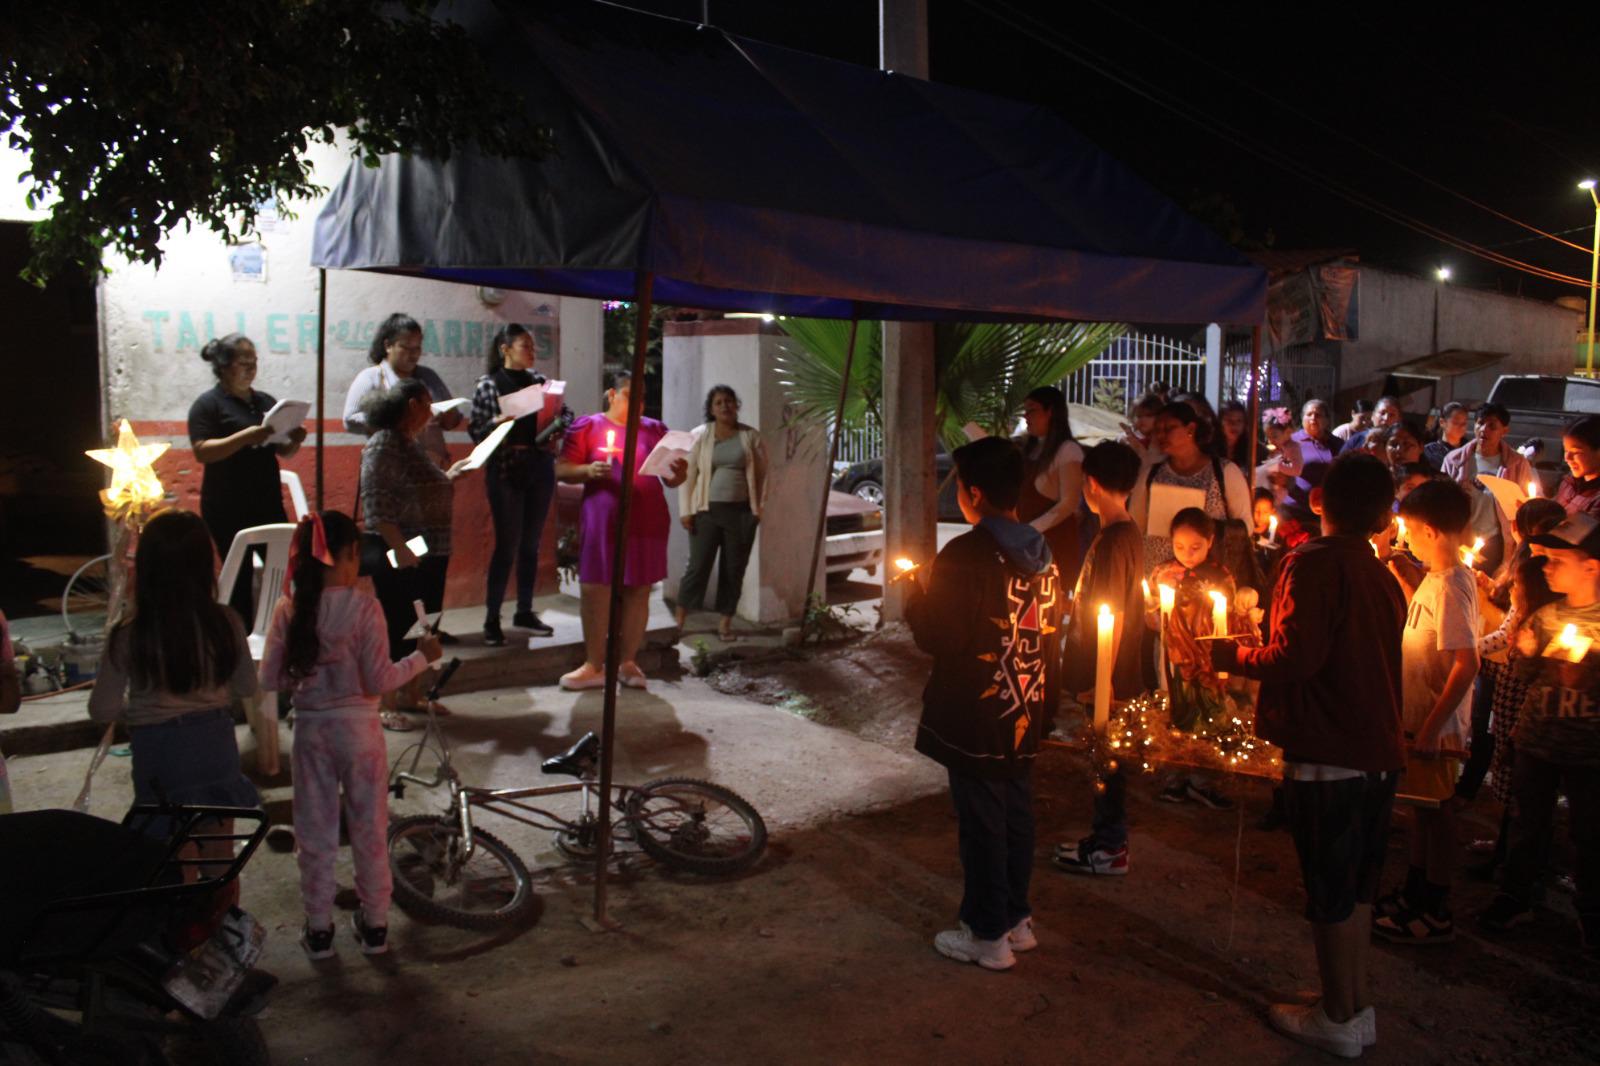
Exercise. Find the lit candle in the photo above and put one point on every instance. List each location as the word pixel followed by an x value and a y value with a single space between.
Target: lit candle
pixel 1573 646
pixel 1533 489
pixel 1219 617
pixel 905 566
pixel 1102 670
pixel 1272 530
pixel 1145 584
pixel 610 450
pixel 1400 524
pixel 1469 556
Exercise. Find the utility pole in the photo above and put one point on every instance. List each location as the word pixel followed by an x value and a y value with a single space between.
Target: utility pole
pixel 911 505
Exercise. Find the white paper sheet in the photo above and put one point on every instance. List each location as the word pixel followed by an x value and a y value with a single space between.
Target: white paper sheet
pixel 418 546
pixel 668 450
pixel 974 431
pixel 285 416
pixel 523 402
pixel 1165 502
pixel 458 403
pixel 1508 494
pixel 486 446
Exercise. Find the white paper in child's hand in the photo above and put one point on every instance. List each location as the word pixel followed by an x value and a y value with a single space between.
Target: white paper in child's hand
pixel 442 406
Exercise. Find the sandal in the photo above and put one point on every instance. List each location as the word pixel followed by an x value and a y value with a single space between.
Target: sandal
pixel 1415 927
pixel 396 722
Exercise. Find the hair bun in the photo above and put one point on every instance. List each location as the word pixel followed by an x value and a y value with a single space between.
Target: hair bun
pixel 210 350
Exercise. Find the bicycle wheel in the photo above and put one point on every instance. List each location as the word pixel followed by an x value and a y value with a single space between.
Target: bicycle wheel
pixel 696 826
pixel 489 890
pixel 86 598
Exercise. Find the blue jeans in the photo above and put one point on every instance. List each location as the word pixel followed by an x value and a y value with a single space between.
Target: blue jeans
pixel 996 839
pixel 520 487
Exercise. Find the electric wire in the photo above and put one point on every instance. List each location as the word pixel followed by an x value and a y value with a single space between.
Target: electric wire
pixel 1049 37
pixel 1342 135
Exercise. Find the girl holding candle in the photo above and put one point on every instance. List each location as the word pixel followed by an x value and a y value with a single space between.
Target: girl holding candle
pixel 1197 697
pixel 592 457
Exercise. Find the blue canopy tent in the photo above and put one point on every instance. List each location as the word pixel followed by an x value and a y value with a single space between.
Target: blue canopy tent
pixel 700 169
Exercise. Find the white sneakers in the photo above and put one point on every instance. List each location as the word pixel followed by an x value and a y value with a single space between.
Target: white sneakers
pixel 1021 937
pixel 1310 1024
pixel 997 954
pixel 961 945
pixel 587 677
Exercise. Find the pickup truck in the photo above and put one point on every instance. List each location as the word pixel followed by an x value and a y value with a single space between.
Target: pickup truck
pixel 1540 408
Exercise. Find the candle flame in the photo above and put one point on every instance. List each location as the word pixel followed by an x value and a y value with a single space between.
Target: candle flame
pixel 1533 489
pixel 1145 584
pixel 1105 612
pixel 905 564
pixel 1169 597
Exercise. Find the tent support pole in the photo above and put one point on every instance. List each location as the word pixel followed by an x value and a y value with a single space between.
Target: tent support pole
pixel 619 548
pixel 1254 426
pixel 827 483
pixel 322 371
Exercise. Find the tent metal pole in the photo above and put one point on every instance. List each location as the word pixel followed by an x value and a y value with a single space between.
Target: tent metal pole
pixel 322 371
pixel 619 549
pixel 827 483
pixel 1255 392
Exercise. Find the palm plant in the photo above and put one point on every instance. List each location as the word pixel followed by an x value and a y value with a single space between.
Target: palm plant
pixel 983 370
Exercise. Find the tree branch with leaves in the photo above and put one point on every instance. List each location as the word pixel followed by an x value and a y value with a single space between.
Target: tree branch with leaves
pixel 140 118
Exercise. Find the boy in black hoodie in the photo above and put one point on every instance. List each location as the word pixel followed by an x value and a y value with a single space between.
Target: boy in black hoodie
pixel 990 617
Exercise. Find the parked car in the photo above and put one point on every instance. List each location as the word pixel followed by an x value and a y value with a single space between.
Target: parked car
pixel 865 480
pixel 1540 409
pixel 853 528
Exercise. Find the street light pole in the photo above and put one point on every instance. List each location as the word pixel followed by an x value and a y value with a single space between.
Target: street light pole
pixel 1594 270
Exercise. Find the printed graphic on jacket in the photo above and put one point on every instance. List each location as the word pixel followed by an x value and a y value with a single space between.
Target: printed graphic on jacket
pixel 1019 676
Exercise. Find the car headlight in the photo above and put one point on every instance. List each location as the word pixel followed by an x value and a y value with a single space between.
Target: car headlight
pixel 872 520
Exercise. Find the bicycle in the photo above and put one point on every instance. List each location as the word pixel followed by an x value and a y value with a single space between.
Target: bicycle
pixel 448 870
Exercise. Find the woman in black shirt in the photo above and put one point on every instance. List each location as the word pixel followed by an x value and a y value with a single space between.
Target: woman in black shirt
pixel 521 482
pixel 240 487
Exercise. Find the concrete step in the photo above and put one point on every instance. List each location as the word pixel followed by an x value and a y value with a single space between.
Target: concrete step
pixel 61 723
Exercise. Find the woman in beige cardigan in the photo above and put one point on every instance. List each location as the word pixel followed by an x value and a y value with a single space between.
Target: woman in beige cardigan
pixel 720 506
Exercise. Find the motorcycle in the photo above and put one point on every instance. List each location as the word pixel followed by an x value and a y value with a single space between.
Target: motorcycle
pixel 119 945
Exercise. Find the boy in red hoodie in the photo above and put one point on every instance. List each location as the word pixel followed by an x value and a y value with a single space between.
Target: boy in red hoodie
pixel 1331 699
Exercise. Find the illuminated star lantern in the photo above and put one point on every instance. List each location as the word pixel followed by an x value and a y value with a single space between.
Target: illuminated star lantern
pixel 134 484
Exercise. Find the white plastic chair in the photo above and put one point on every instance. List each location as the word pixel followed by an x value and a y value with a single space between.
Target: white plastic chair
pixel 297 493
pixel 275 538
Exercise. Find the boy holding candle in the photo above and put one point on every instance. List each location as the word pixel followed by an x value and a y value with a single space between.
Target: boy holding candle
pixel 990 617
pixel 1440 659
pixel 1557 736
pixel 1330 698
pixel 1112 574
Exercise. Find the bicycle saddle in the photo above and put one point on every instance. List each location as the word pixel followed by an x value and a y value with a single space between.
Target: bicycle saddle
pixel 577 761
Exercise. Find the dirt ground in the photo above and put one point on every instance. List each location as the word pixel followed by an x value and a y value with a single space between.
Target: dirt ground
pixel 822 953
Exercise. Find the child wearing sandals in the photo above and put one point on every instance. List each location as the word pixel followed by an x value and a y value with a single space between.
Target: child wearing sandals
pixel 328 644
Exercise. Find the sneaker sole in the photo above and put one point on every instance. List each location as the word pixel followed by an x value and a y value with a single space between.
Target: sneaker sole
pixel 1087 871
pixel 367 949
pixel 962 957
pixel 317 956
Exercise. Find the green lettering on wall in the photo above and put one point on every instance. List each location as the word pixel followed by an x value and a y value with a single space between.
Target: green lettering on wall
pixel 157 320
pixel 277 333
pixel 188 336
pixel 305 327
pixel 211 326
pixel 452 336
pixel 430 337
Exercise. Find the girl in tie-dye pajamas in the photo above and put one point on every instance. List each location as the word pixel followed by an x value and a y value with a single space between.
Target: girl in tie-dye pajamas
pixel 328 644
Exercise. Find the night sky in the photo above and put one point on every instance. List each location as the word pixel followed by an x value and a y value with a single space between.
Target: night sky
pixel 1487 103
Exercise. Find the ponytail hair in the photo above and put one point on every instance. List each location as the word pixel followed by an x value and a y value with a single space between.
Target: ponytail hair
pixel 308 579
pixel 503 337
pixel 221 351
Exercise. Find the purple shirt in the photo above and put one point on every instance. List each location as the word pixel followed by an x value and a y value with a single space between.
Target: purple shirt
pixel 1316 456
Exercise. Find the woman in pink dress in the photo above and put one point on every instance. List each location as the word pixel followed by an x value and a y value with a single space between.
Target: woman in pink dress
pixel 592 457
